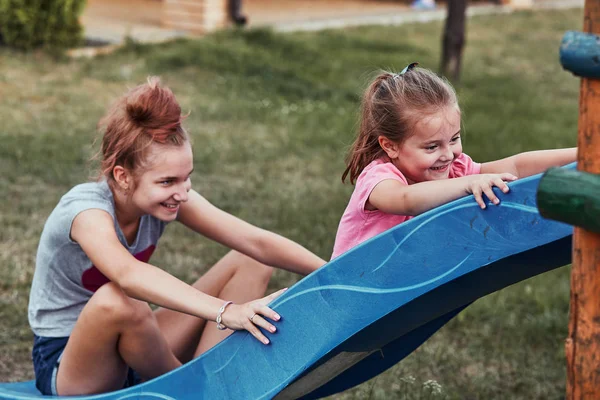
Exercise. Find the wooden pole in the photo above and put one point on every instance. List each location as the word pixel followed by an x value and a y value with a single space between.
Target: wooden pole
pixel 583 343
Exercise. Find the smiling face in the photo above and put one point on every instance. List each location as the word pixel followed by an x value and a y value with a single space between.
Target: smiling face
pixel 165 181
pixel 427 154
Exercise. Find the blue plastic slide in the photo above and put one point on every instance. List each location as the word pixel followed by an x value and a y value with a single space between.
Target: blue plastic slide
pixel 371 307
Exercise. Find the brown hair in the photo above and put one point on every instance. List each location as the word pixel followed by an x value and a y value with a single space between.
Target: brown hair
pixel 391 106
pixel 146 114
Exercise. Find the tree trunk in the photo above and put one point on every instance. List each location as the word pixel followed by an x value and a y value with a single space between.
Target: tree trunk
pixel 235 13
pixel 583 344
pixel 453 39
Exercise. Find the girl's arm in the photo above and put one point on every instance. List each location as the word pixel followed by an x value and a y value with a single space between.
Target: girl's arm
pixel 269 248
pixel 393 197
pixel 94 231
pixel 531 162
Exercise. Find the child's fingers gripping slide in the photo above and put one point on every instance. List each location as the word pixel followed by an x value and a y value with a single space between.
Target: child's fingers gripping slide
pixel 484 183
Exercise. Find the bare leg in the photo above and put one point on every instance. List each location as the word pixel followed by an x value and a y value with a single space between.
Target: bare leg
pixel 248 283
pixel 235 277
pixel 112 332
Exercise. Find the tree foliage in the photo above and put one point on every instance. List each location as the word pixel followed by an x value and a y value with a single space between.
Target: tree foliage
pixel 27 24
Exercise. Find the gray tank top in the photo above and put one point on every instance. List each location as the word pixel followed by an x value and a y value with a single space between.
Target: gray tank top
pixel 64 278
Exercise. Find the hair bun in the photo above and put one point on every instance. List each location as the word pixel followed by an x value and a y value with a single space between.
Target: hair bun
pixel 139 114
pixel 153 107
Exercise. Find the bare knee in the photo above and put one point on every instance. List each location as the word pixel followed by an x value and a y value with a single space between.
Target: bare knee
pixel 263 272
pixel 112 303
pixel 255 270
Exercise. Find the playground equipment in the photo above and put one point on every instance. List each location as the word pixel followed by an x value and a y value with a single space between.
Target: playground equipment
pixel 369 308
pixel 579 54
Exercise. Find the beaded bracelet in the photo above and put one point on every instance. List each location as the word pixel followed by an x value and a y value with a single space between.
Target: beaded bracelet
pixel 220 326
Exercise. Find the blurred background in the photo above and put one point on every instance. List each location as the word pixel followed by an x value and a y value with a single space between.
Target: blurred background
pixel 273 92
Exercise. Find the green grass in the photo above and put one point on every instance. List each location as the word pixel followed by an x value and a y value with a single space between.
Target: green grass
pixel 271 116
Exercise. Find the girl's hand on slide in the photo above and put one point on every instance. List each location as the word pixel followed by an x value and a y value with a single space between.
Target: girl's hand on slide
pixel 483 184
pixel 252 315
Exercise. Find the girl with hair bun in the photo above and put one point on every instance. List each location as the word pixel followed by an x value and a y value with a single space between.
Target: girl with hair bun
pixel 94 331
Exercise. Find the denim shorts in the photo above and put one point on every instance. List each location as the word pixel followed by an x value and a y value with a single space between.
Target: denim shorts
pixel 46 354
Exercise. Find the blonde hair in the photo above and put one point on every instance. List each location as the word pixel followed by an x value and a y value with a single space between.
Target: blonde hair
pixel 391 106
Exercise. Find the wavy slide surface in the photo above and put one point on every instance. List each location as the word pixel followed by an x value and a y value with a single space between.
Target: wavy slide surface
pixel 369 308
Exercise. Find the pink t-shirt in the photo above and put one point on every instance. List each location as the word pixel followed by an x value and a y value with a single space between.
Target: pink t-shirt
pixel 358 224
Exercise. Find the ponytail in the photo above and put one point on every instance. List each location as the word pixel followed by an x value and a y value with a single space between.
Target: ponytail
pixel 366 147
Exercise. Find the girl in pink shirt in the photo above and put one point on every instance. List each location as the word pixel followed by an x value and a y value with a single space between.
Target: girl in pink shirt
pixel 407 157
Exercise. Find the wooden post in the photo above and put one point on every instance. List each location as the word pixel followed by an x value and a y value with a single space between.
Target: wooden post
pixel 583 343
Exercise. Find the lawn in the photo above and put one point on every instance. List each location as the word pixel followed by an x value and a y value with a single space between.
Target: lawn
pixel 271 117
